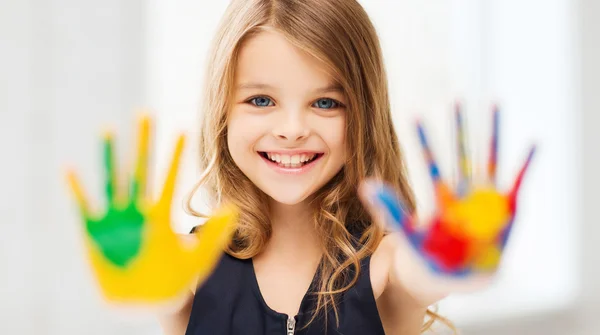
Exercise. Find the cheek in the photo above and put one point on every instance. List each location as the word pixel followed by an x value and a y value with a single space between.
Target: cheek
pixel 333 132
pixel 243 131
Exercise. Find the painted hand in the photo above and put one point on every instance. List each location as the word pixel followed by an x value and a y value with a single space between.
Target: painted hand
pixel 469 231
pixel 134 254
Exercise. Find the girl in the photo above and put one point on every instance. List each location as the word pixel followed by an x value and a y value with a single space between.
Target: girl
pixel 296 117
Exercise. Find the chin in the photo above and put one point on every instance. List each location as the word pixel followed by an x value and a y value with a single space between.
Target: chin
pixel 290 191
pixel 288 195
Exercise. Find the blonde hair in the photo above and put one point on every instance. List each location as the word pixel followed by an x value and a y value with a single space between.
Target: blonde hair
pixel 340 34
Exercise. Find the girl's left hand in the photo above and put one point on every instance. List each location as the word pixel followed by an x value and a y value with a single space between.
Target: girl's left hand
pixel 460 247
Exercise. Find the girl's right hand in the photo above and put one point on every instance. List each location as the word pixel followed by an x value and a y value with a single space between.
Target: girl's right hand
pixel 459 248
pixel 135 255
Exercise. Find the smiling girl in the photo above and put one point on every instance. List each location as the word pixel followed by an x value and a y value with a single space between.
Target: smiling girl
pixel 296 115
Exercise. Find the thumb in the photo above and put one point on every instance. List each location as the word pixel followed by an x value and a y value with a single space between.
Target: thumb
pixel 214 236
pixel 384 206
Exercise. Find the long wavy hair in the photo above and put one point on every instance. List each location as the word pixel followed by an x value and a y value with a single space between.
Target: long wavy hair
pixel 340 34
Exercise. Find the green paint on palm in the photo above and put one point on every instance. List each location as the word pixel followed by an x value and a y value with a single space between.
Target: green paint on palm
pixel 118 234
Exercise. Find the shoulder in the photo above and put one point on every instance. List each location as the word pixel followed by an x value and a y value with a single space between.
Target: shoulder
pixel 381 262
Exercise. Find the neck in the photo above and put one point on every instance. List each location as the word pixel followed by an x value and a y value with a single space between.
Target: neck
pixel 293 232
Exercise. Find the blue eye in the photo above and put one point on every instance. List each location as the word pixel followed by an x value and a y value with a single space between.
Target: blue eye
pixel 260 101
pixel 323 103
pixel 326 103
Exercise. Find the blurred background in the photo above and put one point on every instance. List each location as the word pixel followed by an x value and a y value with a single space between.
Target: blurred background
pixel 69 69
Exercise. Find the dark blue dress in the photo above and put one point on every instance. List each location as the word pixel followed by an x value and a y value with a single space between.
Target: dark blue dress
pixel 230 303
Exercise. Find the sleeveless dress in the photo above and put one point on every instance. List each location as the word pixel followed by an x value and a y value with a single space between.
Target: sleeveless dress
pixel 229 302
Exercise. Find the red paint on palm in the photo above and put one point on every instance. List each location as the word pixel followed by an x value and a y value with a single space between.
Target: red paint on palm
pixel 447 248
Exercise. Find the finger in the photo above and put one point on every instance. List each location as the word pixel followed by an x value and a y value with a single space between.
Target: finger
pixel 109 168
pixel 443 194
pixel 78 194
pixel 517 184
pixel 434 171
pixel 169 185
pixel 378 197
pixel 512 198
pixel 138 186
pixel 214 235
pixel 493 159
pixel 464 173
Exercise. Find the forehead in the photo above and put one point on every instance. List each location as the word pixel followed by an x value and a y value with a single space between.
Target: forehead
pixel 269 58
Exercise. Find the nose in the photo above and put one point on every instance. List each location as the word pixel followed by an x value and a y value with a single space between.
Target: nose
pixel 291 126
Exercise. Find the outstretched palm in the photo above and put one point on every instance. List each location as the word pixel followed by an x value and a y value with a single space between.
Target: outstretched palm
pixel 134 253
pixel 473 222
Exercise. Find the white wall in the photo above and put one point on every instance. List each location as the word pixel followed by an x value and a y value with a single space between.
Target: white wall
pixel 513 52
pixel 68 67
pixel 589 72
pixel 16 254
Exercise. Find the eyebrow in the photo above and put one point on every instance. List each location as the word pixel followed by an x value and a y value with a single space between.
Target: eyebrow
pixel 327 89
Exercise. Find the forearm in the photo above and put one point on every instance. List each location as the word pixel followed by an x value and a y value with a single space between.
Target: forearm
pixel 411 321
pixel 404 301
pixel 400 313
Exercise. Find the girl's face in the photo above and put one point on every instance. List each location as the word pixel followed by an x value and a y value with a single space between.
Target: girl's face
pixel 286 128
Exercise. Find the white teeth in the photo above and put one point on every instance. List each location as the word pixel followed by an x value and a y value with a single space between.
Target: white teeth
pixel 293 161
pixel 273 157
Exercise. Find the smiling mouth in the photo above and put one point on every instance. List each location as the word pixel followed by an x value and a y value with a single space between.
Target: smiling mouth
pixel 290 161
